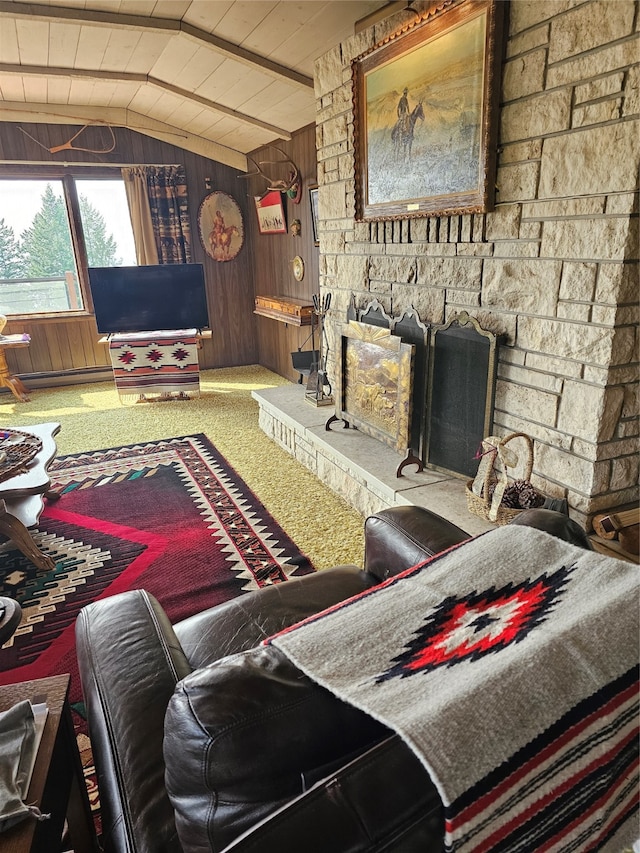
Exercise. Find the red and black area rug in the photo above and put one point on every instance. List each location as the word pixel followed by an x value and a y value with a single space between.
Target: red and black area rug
pixel 170 516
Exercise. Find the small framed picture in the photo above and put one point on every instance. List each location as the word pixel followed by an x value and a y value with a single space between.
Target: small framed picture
pixel 313 202
pixel 270 210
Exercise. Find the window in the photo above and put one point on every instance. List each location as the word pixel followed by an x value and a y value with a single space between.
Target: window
pixel 52 227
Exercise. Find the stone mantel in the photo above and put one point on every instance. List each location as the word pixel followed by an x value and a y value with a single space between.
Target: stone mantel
pixel 355 466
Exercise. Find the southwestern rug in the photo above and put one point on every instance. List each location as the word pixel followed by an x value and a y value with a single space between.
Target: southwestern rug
pixel 170 516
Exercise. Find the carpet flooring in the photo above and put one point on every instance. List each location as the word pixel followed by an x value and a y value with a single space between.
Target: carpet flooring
pixel 168 516
pixel 323 525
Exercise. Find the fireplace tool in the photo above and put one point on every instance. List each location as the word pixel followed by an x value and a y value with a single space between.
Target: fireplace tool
pixel 318 391
pixel 304 361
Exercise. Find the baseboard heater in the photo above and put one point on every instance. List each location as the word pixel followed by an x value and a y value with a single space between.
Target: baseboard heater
pixel 76 376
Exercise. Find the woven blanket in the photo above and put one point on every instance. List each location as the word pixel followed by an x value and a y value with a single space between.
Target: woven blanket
pixel 509 665
pixel 161 363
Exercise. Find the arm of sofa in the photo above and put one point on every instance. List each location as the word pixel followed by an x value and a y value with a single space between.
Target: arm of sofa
pixel 243 622
pixel 383 799
pixel 402 536
pixel 241 737
pixel 129 661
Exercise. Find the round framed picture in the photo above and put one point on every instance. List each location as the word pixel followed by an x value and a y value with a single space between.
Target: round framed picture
pixel 220 226
pixel 298 268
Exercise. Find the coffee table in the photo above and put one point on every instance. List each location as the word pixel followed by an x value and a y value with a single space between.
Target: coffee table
pixel 22 496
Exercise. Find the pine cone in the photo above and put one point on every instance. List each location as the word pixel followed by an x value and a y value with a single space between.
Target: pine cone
pixel 521 495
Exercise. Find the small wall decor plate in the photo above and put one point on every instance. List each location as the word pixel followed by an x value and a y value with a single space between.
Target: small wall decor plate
pixel 17 450
pixel 297 265
pixel 220 226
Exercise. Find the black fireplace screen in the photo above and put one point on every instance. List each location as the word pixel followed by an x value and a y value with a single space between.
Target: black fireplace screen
pixel 460 396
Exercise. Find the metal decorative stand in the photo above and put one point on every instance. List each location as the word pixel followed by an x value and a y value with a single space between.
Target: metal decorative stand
pixel 319 389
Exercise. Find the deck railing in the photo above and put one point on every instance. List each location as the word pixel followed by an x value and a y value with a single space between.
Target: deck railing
pixel 40 295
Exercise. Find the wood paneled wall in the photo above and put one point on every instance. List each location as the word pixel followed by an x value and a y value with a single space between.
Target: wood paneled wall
pixel 61 345
pixel 263 266
pixel 272 254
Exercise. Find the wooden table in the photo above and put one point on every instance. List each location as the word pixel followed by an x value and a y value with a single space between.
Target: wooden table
pixel 7 379
pixel 57 785
pixel 22 496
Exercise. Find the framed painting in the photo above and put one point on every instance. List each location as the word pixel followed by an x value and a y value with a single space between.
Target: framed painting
pixel 313 203
pixel 220 226
pixel 270 210
pixel 425 113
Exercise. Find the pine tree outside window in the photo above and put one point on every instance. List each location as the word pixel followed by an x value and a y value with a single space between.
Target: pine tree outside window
pixel 51 230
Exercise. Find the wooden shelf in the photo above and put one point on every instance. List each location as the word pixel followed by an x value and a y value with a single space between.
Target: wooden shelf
pixel 286 309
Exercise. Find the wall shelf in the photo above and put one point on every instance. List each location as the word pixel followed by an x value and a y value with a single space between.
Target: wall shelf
pixel 286 309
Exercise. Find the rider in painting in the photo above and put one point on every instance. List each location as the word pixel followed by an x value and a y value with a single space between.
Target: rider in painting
pixel 403 110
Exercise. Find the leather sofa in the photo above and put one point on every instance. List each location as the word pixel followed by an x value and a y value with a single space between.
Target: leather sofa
pixel 205 740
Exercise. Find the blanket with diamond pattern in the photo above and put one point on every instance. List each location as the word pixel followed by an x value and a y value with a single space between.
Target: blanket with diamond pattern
pixel 155 363
pixel 510 665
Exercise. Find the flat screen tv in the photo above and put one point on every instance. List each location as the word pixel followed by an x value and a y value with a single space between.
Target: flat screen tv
pixel 149 298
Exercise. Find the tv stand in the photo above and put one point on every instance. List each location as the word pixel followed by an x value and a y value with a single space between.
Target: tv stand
pixel 155 366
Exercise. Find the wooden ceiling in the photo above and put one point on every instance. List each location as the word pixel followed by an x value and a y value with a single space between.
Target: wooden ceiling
pixel 217 77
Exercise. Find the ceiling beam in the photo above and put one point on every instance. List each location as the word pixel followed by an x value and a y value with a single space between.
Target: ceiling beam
pixel 130 77
pixel 169 25
pixel 234 51
pixel 120 117
pixel 191 96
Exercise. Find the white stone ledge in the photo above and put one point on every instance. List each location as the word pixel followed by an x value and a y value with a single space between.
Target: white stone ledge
pixel 359 468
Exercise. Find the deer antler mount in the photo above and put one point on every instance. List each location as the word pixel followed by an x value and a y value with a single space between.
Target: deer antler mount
pixel 291 184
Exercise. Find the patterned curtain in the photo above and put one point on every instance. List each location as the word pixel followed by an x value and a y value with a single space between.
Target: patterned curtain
pixel 168 202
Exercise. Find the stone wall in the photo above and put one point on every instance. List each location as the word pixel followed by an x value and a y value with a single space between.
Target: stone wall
pixel 553 267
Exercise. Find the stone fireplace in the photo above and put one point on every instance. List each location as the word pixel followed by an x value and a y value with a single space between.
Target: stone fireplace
pixel 553 268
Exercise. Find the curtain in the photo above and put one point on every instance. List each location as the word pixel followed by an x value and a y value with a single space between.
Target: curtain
pixel 135 182
pixel 166 193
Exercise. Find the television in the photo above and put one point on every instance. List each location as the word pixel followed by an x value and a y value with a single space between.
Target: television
pixel 149 298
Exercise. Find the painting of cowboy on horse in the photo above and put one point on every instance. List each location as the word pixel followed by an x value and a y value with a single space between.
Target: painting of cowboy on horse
pixel 404 128
pixel 220 226
pixel 422 118
pixel 220 237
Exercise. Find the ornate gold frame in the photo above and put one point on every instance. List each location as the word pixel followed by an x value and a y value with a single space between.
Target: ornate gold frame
pixel 432 150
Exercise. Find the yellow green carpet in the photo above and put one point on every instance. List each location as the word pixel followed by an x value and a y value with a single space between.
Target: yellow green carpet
pixel 92 417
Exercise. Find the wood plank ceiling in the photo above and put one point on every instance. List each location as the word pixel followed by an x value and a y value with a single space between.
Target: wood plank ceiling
pixel 217 77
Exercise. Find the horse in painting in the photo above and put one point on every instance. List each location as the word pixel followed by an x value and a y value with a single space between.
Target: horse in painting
pixel 402 133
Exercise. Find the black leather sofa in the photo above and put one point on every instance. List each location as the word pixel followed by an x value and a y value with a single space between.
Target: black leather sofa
pixel 204 740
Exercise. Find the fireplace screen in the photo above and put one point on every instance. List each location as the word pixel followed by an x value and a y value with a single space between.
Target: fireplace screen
pixel 376 379
pixel 462 377
pixel 425 390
